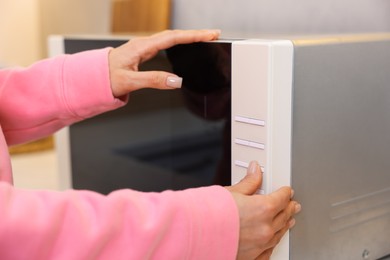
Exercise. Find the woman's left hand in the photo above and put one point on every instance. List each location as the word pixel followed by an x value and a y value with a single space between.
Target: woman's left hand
pixel 124 60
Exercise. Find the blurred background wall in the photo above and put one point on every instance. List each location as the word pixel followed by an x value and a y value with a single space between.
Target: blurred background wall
pixel 283 16
pixel 25 24
pixel 19 32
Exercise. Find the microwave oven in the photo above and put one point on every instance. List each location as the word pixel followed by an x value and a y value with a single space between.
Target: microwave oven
pixel 314 111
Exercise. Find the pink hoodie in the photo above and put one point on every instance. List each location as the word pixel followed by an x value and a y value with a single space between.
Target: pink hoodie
pixel 198 223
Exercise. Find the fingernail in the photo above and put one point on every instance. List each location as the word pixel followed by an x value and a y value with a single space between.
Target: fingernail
pixel 298 207
pixel 292 194
pixel 291 223
pixel 174 82
pixel 218 32
pixel 253 167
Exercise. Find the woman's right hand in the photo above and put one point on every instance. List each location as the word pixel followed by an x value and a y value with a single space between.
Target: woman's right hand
pixel 125 60
pixel 264 219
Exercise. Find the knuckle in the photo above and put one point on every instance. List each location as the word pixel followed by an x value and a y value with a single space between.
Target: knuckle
pixel 156 80
pixel 268 208
pixel 266 234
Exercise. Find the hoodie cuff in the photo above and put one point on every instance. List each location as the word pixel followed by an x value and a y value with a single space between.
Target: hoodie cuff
pixel 86 84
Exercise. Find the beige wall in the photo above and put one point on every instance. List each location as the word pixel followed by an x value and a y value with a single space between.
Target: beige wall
pixel 75 17
pixel 25 25
pixel 19 32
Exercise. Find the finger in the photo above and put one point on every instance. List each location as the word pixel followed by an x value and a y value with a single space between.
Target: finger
pixel 149 46
pixel 148 79
pixel 251 182
pixel 280 198
pixel 266 254
pixel 278 235
pixel 286 215
pixel 170 38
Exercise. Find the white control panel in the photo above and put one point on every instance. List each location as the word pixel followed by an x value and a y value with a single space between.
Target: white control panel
pixel 261 114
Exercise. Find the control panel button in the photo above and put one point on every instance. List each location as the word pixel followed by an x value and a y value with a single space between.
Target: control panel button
pixel 241 141
pixel 249 143
pixel 247 120
pixel 246 165
pixel 262 189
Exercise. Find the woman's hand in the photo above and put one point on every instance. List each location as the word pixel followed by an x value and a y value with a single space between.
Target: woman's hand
pixel 125 59
pixel 264 219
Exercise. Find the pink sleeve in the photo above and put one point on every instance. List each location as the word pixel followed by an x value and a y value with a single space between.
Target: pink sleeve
pixel 198 223
pixel 193 224
pixel 53 93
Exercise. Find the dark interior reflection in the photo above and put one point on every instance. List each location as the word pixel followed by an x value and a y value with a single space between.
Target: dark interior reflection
pixel 206 72
pixel 161 140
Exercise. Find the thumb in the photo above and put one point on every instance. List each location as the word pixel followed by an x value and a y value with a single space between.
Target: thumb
pixel 251 182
